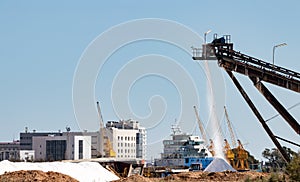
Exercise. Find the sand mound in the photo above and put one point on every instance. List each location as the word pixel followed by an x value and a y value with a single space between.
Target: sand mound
pixel 216 176
pixel 82 171
pixel 219 165
pixel 135 178
pixel 204 177
pixel 35 175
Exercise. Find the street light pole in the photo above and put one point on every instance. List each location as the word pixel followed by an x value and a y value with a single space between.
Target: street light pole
pixel 205 35
pixel 274 47
pixel 205 42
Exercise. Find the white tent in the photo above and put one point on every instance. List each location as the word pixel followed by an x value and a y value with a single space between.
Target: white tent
pixel 82 171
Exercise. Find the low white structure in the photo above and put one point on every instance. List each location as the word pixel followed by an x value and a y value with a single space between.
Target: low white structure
pixel 27 155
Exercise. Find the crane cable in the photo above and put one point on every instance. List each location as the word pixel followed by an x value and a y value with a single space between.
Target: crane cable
pixel 293 106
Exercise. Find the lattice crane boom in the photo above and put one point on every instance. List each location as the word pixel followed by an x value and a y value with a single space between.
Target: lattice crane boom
pixel 230 128
pixel 105 143
pixel 200 124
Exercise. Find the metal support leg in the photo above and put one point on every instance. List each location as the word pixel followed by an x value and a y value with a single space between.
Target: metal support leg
pixel 259 117
pixel 276 104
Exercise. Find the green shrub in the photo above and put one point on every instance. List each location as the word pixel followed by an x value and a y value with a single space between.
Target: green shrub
pixel 293 168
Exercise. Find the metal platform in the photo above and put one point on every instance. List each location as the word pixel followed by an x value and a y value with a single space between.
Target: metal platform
pixel 235 61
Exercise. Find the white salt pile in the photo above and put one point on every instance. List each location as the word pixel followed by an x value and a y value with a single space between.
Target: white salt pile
pixel 82 171
pixel 219 165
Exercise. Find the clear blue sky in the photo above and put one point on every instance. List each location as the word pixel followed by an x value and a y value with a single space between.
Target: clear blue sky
pixel 41 44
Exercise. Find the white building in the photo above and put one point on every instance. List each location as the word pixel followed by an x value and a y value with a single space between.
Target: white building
pixel 141 143
pixel 128 139
pixel 69 146
pixel 27 155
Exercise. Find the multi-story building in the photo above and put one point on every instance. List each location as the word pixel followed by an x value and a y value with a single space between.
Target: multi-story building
pixel 141 143
pixel 9 150
pixel 61 145
pixel 69 146
pixel 26 138
pixel 128 139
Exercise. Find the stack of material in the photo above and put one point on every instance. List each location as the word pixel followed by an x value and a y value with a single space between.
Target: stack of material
pixel 83 171
pixel 219 165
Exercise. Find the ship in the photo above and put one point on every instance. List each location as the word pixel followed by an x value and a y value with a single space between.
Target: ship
pixel 184 150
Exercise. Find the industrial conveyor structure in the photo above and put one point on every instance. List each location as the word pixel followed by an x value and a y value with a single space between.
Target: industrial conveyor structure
pixel 257 70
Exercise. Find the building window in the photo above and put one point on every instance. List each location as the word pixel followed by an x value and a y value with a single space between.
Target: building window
pixel 80 149
pixel 55 150
pixel 118 137
pixel 121 138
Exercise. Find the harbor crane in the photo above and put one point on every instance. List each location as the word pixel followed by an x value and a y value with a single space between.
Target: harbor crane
pixel 106 148
pixel 211 147
pixel 240 161
pixel 258 71
pixel 229 153
pixel 200 124
pixel 233 143
pixel 242 157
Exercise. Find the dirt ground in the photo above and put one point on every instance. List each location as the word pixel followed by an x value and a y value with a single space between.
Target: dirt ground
pixel 203 176
pixel 35 175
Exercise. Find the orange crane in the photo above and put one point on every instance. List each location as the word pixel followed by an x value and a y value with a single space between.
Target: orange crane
pixel 241 154
pixel 229 153
pixel 242 157
pixel 211 147
pixel 105 144
pixel 203 134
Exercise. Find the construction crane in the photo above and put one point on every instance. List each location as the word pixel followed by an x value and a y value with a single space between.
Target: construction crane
pixel 230 128
pixel 229 153
pixel 242 157
pixel 105 144
pixel 211 147
pixel 203 134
